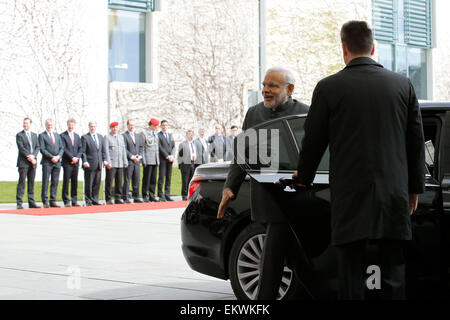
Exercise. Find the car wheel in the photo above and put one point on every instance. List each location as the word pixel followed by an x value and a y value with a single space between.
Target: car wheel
pixel 244 266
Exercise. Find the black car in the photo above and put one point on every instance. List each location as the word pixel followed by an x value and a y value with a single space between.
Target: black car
pixel 231 248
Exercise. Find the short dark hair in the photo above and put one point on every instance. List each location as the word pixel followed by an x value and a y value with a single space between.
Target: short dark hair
pixel 31 121
pixel 357 36
pixel 164 121
pixel 234 127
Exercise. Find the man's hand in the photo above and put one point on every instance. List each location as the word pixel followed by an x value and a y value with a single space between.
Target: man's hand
pixel 227 195
pixel 295 177
pixel 55 159
pixel 74 160
pixel 413 200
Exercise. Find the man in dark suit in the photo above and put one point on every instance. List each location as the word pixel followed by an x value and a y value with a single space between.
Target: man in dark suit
pixel 135 147
pixel 166 157
pixel 52 150
pixel 370 119
pixel 28 145
pixel 218 145
pixel 92 156
pixel 202 150
pixel 278 87
pixel 230 140
pixel 186 162
pixel 71 163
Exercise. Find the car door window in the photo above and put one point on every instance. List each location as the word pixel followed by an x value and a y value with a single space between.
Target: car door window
pixel 297 127
pixel 271 151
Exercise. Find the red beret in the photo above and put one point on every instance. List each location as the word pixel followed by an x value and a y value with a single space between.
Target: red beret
pixel 154 121
pixel 113 124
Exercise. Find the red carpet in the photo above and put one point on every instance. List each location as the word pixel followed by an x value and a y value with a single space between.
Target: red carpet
pixel 99 209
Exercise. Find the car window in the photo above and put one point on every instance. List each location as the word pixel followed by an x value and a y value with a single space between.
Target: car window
pixel 298 130
pixel 272 150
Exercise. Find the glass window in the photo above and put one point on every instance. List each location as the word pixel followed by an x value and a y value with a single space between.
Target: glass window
pixel 417 71
pixel 297 128
pixel 258 148
pixel 386 55
pixel 126 46
pixel 400 60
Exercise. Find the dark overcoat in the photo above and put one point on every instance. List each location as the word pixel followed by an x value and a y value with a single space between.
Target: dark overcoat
pixel 263 209
pixel 370 118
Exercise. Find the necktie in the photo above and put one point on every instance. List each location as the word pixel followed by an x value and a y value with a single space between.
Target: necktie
pixel 51 137
pixel 192 151
pixel 29 141
pixel 95 140
pixel 71 138
pixel 132 137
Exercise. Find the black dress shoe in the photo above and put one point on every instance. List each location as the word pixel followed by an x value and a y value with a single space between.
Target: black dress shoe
pixel 169 198
pixel 162 199
pixel 46 205
pixel 75 204
pixel 66 204
pixel 33 206
pixel 184 198
pixel 127 201
pixel 88 204
pixel 109 202
pixel 146 199
pixel 19 206
pixel 153 199
pixel 138 200
pixel 54 205
pixel 119 201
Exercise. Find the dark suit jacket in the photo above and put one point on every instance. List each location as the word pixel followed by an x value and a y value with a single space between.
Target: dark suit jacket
pixel 49 150
pixel 90 153
pixel 370 119
pixel 256 115
pixel 166 148
pixel 69 150
pixel 24 148
pixel 133 149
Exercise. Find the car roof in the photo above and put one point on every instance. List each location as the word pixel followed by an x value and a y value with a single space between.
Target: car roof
pixel 434 105
pixel 425 105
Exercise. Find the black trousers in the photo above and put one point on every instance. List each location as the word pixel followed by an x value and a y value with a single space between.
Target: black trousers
pixel 187 171
pixel 353 269
pixel 92 179
pixel 26 173
pixel 131 173
pixel 149 181
pixel 278 241
pixel 70 174
pixel 47 172
pixel 113 174
pixel 165 173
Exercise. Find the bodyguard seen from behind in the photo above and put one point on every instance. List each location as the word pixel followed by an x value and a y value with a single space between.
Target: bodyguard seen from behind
pixel 370 119
pixel 71 163
pixel 52 150
pixel 278 87
pixel 28 145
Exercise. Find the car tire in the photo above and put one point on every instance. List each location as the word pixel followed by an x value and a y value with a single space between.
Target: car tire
pixel 243 266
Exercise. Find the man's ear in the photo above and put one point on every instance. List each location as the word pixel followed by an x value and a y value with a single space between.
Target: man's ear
pixel 290 89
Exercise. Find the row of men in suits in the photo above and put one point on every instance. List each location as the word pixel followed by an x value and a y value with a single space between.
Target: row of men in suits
pixel 121 155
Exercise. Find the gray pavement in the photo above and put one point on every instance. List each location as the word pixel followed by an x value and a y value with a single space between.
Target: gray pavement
pixel 126 255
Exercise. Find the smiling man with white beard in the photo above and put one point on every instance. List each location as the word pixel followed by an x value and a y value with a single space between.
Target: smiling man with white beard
pixel 278 87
